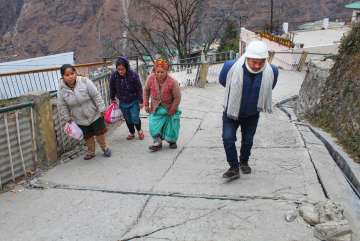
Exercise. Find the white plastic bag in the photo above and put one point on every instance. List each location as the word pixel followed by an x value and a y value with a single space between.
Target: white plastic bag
pixel 73 131
pixel 116 115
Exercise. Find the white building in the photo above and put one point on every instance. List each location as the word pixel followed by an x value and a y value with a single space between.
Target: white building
pixel 288 50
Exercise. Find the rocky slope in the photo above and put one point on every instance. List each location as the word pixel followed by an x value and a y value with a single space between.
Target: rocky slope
pixel 30 28
pixel 335 104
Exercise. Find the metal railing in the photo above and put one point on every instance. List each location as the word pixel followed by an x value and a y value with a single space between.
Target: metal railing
pixel 14 84
pixel 18 154
pixel 294 60
pixel 214 72
pixel 221 57
pixel 102 83
pixel 18 83
pixel 211 58
pixel 186 74
pixel 216 62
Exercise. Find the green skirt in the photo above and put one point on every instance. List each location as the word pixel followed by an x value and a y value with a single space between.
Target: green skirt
pixel 163 125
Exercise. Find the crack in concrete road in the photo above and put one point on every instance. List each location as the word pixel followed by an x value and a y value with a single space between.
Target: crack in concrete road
pixel 173 226
pixel 138 218
pixel 136 222
pixel 240 198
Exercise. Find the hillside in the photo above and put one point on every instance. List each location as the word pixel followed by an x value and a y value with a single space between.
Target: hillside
pixel 30 28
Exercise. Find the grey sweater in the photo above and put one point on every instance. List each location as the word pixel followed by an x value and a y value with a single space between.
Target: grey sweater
pixel 83 104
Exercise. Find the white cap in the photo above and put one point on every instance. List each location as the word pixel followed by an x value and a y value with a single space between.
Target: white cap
pixel 257 50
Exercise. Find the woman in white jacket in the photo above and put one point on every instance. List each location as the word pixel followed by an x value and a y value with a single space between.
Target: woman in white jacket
pixel 81 102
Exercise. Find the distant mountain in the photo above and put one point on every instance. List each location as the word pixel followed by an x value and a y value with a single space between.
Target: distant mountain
pixel 31 28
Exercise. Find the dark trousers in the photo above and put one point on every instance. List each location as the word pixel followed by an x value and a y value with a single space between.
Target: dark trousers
pixel 132 126
pixel 248 128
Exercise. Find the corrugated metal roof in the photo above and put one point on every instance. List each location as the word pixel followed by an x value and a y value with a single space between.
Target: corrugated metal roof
pixel 49 61
pixel 354 5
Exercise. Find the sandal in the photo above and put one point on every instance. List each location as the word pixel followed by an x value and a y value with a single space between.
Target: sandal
pixel 89 156
pixel 155 148
pixel 141 135
pixel 130 137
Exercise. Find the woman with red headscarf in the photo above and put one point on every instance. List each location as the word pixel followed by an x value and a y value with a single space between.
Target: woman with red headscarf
pixel 162 97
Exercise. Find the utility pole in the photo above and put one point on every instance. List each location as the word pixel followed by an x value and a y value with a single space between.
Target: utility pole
pixel 271 15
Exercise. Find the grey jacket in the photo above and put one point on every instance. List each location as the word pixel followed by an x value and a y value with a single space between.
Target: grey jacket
pixel 83 104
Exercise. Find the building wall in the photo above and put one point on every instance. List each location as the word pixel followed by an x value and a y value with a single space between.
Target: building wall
pixel 285 57
pixel 285 60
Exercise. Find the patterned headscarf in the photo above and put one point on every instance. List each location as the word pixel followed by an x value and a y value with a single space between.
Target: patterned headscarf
pixel 161 63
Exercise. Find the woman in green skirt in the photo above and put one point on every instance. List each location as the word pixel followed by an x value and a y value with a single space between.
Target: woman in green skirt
pixel 162 97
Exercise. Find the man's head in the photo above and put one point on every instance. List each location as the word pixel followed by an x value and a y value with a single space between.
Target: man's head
pixel 256 55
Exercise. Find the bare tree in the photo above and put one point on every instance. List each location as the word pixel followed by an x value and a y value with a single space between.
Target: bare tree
pixel 177 23
pixel 173 27
pixel 214 20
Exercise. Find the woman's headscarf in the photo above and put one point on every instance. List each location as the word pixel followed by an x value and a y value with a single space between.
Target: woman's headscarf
pixel 161 63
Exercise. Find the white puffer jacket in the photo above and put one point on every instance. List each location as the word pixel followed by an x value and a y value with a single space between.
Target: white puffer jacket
pixel 83 104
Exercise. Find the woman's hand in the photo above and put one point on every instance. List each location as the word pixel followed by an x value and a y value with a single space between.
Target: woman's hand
pixel 171 111
pixel 147 109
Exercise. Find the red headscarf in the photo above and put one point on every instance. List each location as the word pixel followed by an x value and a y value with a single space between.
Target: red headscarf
pixel 161 63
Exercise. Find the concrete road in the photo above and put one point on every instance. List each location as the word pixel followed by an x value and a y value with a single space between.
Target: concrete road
pixel 175 194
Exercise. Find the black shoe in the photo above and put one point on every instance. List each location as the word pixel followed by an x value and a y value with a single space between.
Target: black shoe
pixel 245 168
pixel 172 145
pixel 232 173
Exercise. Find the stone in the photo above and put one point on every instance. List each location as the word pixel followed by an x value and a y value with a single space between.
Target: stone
pixel 347 237
pixel 332 230
pixel 290 216
pixel 329 211
pixel 309 214
pixel 313 85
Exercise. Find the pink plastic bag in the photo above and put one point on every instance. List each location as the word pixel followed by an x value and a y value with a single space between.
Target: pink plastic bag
pixel 73 131
pixel 112 114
